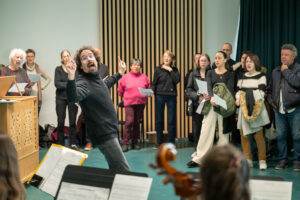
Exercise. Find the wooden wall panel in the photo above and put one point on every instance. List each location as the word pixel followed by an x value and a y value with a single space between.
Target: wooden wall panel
pixel 145 29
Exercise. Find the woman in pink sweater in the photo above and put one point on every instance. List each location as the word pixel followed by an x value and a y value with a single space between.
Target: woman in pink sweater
pixel 134 102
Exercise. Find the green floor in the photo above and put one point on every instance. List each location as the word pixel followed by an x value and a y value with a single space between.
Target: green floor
pixel 139 160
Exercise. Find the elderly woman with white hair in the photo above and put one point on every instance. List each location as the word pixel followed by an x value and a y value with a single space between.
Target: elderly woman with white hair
pixel 16 58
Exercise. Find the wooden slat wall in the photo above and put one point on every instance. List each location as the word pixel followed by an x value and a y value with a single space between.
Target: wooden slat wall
pixel 145 29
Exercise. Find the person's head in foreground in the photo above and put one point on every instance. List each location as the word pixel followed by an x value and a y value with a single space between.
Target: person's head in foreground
pixel 224 174
pixel 10 184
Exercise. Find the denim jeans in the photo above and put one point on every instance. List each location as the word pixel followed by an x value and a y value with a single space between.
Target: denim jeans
pixel 284 123
pixel 114 156
pixel 160 101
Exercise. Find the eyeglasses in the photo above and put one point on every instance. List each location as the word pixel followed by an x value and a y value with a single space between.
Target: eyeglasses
pixel 85 57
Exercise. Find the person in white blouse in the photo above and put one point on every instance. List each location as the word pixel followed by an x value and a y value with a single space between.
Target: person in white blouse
pixel 33 68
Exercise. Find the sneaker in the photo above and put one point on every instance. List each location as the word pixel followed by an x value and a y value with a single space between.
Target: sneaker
pixel 75 147
pixel 250 163
pixel 88 146
pixel 125 148
pixel 296 166
pixel 281 165
pixel 136 147
pixel 262 165
pixel 192 164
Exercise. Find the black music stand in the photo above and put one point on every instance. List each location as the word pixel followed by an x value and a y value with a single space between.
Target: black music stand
pixel 91 176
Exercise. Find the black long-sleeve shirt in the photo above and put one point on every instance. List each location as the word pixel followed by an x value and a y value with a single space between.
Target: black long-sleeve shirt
pixel 164 82
pixel 213 78
pixel 97 107
pixel 60 82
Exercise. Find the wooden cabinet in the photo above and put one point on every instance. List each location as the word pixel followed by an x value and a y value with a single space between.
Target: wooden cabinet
pixel 20 121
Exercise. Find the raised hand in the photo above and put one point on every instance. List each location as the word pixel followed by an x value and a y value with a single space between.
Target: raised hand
pixel 212 101
pixel 283 67
pixel 122 66
pixel 168 68
pixel 71 69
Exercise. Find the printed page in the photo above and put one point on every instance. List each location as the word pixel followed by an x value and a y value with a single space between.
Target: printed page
pixel 270 190
pixel 34 77
pixel 202 85
pixel 219 101
pixel 147 92
pixel 7 101
pixel 78 192
pixel 54 164
pixel 200 107
pixel 127 187
pixel 15 89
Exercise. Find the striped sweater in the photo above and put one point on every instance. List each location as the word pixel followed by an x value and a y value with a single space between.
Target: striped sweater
pixel 256 81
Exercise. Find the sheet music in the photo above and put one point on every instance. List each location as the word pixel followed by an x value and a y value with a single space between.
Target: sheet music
pixel 78 192
pixel 147 92
pixel 34 77
pixel 8 101
pixel 200 107
pixel 270 190
pixel 106 77
pixel 15 89
pixel 127 187
pixel 219 101
pixel 53 166
pixel 202 85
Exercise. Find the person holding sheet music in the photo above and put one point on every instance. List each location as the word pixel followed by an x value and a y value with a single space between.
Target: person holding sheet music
pixel 219 75
pixel 252 113
pixel 192 92
pixel 134 102
pixel 166 77
pixel 97 107
pixel 11 186
pixel 33 68
pixel 60 81
pixel 16 58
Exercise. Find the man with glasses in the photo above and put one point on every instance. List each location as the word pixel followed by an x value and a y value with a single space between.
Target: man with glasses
pixel 109 82
pixel 97 107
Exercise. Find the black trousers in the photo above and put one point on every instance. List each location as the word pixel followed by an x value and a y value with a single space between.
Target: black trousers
pixel 61 106
pixel 196 127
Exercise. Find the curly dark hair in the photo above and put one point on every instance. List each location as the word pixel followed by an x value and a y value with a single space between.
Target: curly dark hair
pixel 77 59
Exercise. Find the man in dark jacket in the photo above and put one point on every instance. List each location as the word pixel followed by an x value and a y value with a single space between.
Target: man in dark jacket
pixel 97 107
pixel 284 96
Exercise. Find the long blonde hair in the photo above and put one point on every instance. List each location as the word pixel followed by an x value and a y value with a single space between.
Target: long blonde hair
pixel 11 187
